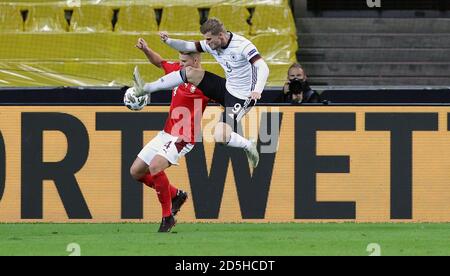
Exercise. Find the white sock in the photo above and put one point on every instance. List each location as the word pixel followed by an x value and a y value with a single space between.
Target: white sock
pixel 237 141
pixel 169 81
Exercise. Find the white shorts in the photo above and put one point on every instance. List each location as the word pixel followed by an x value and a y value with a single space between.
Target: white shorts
pixel 166 146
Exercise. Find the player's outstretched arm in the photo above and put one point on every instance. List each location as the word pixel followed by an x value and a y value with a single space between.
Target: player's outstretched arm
pixel 178 44
pixel 262 76
pixel 151 55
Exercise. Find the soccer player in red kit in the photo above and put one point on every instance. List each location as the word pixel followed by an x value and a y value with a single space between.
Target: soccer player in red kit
pixel 177 139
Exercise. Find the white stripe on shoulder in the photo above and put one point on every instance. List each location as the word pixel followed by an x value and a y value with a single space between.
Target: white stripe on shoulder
pixel 245 47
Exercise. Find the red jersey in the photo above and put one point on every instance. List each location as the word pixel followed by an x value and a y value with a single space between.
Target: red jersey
pixel 186 108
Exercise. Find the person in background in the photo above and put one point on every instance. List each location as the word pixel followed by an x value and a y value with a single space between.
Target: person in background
pixel 296 90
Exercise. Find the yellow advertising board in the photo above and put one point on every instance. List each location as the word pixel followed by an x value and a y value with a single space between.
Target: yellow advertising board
pixel 328 163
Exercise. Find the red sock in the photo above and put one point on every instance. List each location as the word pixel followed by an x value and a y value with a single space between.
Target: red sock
pixel 147 179
pixel 162 187
pixel 173 191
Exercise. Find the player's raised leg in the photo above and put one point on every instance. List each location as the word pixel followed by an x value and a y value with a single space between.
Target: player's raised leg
pixel 169 81
pixel 224 134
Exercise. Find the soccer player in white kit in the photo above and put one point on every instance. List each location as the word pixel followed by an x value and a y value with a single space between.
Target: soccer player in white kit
pixel 246 75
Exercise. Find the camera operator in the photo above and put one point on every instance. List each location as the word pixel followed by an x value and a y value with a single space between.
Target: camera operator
pixel 296 90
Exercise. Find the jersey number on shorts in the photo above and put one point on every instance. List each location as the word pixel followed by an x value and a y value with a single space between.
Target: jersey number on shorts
pixel 167 145
pixel 237 107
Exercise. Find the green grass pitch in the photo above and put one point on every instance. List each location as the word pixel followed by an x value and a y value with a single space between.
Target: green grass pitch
pixel 203 239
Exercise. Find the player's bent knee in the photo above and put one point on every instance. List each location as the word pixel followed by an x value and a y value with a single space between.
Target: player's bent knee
pixel 135 173
pixel 218 137
pixel 154 169
pixel 222 133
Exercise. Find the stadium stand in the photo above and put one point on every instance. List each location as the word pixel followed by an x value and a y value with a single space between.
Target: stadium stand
pixel 238 22
pixel 46 18
pixel 10 18
pixel 280 20
pixel 89 47
pixel 345 43
pixel 180 20
pixel 193 3
pixel 136 18
pixel 277 48
pixel 93 44
pixel 92 18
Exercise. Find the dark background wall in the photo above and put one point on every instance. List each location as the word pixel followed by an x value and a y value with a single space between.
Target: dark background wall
pixel 343 42
pixel 114 96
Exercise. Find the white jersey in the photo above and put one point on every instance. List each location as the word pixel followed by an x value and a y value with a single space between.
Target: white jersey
pixel 235 60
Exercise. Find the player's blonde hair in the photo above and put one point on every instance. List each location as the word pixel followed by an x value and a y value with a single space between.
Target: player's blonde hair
pixel 213 25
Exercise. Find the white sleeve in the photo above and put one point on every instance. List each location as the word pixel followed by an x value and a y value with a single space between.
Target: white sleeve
pixel 250 51
pixel 262 74
pixel 181 45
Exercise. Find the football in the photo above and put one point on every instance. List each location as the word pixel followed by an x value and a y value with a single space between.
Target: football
pixel 132 102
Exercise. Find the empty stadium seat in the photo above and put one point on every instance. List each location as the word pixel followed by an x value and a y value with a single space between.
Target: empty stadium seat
pixel 136 18
pixel 92 18
pixel 276 48
pixel 270 19
pixel 10 18
pixel 46 18
pixel 233 17
pixel 180 19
